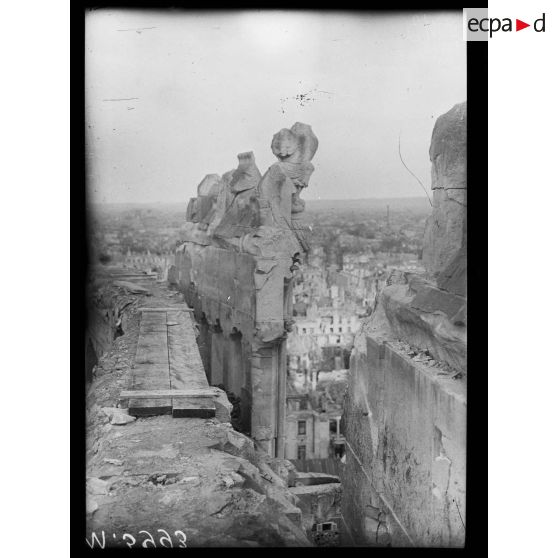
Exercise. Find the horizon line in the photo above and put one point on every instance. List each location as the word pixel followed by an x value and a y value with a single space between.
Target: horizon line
pixel 305 199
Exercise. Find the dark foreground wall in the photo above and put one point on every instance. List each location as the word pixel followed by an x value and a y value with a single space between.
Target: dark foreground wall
pixel 406 442
pixel 406 408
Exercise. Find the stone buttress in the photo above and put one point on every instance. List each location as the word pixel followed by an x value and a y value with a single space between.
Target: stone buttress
pixel 243 238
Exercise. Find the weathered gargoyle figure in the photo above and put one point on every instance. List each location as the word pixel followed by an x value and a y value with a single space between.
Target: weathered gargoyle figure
pixel 280 188
pixel 235 267
pixel 224 198
pixel 248 211
pixel 242 213
pixel 199 207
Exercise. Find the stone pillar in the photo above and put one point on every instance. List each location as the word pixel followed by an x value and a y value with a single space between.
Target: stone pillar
pixel 315 437
pixel 281 397
pixel 234 378
pixel 204 346
pixel 217 349
pixel 264 395
pixel 337 359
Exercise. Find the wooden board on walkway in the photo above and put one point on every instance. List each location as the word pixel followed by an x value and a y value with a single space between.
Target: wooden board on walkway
pixel 168 375
pixel 199 407
pixel 149 407
pixel 165 393
pixel 166 309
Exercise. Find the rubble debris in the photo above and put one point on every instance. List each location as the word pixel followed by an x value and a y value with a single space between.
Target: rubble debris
pixel 118 416
pixel 147 470
pixel 133 288
pixel 112 461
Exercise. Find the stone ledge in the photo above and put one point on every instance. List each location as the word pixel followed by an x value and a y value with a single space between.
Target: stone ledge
pixel 416 311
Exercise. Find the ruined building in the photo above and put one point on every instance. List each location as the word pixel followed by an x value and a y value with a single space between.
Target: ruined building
pixel 405 411
pixel 241 244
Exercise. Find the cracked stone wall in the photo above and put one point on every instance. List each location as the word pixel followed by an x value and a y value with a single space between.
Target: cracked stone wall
pixel 405 424
pixel 406 405
pixel 104 319
pixel 243 238
pixel 446 229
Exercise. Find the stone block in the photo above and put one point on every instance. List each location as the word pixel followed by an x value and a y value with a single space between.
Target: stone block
pixel 446 228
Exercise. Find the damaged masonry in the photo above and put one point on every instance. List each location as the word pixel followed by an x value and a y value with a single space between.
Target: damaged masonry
pixel 244 237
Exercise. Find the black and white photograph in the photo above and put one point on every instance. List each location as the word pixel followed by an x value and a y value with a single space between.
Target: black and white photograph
pixel 276 331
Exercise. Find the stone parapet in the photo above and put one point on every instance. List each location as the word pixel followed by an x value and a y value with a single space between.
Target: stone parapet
pixel 412 308
pixel 242 242
pixel 405 425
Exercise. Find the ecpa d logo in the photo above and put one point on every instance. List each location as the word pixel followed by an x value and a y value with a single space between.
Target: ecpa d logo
pixel 480 27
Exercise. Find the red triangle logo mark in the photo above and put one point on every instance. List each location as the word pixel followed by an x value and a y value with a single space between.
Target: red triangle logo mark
pixel 519 25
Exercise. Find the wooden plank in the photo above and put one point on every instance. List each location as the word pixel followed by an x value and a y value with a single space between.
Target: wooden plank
pixel 181 309
pixel 164 393
pixel 144 369
pixel 151 376
pixel 152 345
pixel 152 355
pixel 153 313
pixel 149 407
pixel 149 329
pixel 183 378
pixel 185 365
pixel 155 323
pixel 154 348
pixel 157 316
pixel 139 275
pixel 163 362
pixel 192 407
pixel 146 383
pixel 153 341
pixel 151 362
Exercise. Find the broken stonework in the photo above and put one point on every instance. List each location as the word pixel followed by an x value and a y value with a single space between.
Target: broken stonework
pixel 235 268
pixel 193 475
pixel 318 503
pixel 426 317
pixel 199 207
pixel 243 213
pixel 446 230
pixel 118 416
pixel 406 405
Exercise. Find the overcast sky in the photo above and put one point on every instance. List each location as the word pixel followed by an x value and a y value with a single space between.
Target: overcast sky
pixel 205 86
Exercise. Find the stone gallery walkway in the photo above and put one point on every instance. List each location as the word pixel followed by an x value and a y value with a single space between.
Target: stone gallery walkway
pixel 168 374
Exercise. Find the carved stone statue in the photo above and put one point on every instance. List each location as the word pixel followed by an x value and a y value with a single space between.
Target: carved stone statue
pixel 199 207
pixel 242 213
pixel 241 245
pixel 284 181
pixel 238 208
